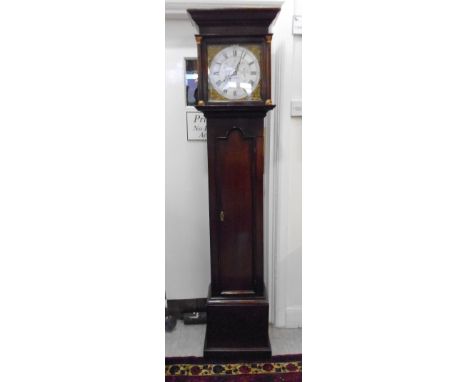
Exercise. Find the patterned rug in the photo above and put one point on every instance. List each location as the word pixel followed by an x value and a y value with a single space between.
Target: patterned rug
pixel 282 368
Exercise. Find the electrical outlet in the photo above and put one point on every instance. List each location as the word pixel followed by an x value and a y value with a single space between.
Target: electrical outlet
pixel 296 108
pixel 297 24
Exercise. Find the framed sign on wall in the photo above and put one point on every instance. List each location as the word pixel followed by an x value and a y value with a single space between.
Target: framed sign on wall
pixel 196 126
pixel 195 120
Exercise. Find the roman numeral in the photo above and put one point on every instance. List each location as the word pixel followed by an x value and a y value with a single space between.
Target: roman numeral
pixel 225 55
pixel 216 73
pixel 234 53
pixel 250 63
pixel 218 82
pixel 253 73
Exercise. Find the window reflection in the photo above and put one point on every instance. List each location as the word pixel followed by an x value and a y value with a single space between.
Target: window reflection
pixel 191 81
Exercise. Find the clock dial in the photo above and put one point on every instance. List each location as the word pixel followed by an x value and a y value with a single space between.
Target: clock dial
pixel 234 72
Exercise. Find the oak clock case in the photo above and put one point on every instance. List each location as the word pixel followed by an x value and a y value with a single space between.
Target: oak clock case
pixel 234 93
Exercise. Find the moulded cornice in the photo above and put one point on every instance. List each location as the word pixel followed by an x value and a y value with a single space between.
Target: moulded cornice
pixel 177 9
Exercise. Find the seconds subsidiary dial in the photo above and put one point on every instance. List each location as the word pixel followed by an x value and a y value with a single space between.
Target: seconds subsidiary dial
pixel 234 72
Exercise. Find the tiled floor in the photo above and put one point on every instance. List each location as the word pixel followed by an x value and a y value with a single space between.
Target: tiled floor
pixel 187 340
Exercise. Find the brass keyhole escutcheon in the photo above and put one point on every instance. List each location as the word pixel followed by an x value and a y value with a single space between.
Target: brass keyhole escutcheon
pixel 221 216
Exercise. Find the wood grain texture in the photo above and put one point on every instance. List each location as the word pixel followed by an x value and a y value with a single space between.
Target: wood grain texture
pixel 235 198
pixel 235 171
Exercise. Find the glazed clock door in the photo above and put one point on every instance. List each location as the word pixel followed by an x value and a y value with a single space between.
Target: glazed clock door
pixel 239 200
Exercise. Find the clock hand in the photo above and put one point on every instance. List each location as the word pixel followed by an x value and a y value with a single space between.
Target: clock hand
pixel 229 76
pixel 226 79
pixel 238 62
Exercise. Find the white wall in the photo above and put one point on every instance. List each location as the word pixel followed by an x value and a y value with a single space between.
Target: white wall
pixel 294 264
pixel 287 85
pixel 186 183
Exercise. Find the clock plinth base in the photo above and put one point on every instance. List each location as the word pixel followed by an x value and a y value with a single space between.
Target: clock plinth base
pixel 237 328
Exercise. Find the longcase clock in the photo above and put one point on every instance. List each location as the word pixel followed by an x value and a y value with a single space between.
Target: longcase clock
pixel 234 93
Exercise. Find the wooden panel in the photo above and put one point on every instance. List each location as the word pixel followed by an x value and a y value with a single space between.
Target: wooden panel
pixel 237 331
pixel 235 200
pixel 247 131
